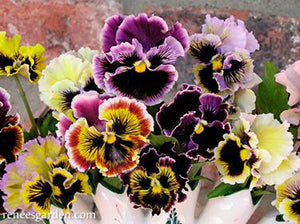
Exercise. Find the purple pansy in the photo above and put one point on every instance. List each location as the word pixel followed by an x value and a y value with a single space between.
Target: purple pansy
pixel 218 72
pixel 232 33
pixel 191 117
pixel 140 53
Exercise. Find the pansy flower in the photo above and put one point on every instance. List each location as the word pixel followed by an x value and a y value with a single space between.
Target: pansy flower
pixel 232 33
pixel 159 180
pixel 65 77
pixel 111 139
pixel 221 73
pixel 231 158
pixel 11 134
pixel 23 60
pixel 288 199
pixel 140 53
pixel 35 181
pixel 291 79
pixel 192 117
pixel 265 147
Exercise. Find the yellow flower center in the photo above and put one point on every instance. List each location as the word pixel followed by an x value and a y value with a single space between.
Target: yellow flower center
pixel 217 64
pixel 157 188
pixel 245 154
pixel 110 138
pixel 199 128
pixel 141 66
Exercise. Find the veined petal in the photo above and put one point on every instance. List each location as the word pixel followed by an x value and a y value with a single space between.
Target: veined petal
pixel 288 200
pixel 83 144
pixel 147 30
pixel 86 105
pixel 34 59
pixel 167 53
pixel 11 185
pixel 38 193
pixel 108 34
pixel 65 67
pixel 204 47
pixel 129 117
pixel 63 93
pixel 291 115
pixel 11 141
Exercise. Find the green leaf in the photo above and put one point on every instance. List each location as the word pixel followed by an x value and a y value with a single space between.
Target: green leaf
pixel 94 179
pixel 225 189
pixel 48 124
pixel 159 140
pixel 257 194
pixel 29 135
pixel 271 97
pixel 279 218
pixel 194 174
pixel 114 184
pixel 46 221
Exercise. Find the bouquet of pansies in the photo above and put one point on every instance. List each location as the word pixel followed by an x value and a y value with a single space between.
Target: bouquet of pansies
pixel 111 131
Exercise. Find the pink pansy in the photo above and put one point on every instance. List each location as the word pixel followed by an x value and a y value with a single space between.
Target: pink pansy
pixel 291 79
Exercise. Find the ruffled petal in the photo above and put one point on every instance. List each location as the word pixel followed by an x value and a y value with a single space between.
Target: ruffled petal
pixel 108 34
pixel 4 103
pixel 231 160
pixel 207 137
pixel 149 31
pixel 292 116
pixel 245 100
pixel 86 105
pixel 291 79
pixel 11 141
pixel 213 108
pixel 166 53
pixel 38 193
pixel 184 102
pixel 274 138
pixel 83 144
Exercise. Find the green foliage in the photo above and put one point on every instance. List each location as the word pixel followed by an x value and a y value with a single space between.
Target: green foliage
pixel 114 184
pixel 195 175
pixel 279 218
pixel 173 218
pixel 257 194
pixel 94 179
pixel 47 125
pixel 226 189
pixel 271 97
pixel 159 140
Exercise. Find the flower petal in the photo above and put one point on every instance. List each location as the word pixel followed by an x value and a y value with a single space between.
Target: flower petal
pixel 4 103
pixel 185 101
pixel 108 34
pixel 292 116
pixel 147 30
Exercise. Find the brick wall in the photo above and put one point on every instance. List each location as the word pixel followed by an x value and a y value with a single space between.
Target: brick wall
pixel 62 25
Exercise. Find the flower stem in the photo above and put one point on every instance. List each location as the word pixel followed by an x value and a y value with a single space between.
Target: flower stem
pixel 26 104
pixel 63 220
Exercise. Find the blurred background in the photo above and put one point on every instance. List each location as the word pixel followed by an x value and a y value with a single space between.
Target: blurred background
pixel 63 25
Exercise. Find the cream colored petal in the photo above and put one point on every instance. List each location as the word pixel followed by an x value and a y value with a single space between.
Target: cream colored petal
pixel 245 99
pixel 284 171
pixel 273 137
